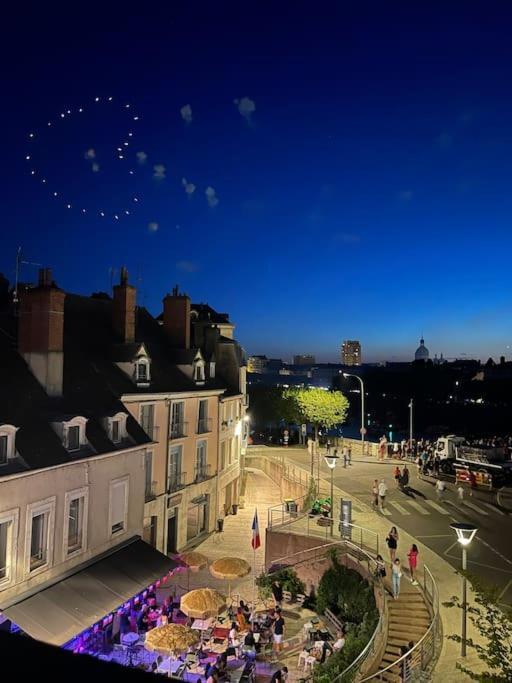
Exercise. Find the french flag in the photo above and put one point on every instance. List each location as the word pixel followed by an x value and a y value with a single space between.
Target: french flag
pixel 255 532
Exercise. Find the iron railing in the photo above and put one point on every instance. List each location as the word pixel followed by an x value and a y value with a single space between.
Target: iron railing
pixel 202 472
pixel 176 481
pixel 150 491
pixel 178 430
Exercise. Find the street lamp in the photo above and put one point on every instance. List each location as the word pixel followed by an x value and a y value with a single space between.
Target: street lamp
pixel 331 461
pixel 410 424
pixel 465 534
pixel 363 430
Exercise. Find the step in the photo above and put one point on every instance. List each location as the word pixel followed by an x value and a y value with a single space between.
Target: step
pixel 396 606
pixel 406 632
pixel 409 620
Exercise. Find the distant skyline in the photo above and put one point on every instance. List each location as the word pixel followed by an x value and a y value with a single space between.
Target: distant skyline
pixel 320 172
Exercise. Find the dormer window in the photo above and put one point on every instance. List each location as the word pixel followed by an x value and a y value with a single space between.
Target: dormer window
pixel 72 433
pixel 7 443
pixel 212 369
pixel 116 427
pixel 199 370
pixel 142 375
pixel 73 443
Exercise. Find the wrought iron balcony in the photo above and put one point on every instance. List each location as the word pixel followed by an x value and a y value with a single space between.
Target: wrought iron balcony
pixel 176 481
pixel 178 430
pixel 202 472
pixel 150 491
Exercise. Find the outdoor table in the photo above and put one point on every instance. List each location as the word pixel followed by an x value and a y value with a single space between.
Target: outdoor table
pixel 201 624
pixel 130 640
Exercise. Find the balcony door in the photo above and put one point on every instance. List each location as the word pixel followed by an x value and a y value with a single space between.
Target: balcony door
pixel 174 471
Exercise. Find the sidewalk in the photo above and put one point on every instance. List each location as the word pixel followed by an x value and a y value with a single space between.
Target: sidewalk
pixel 448 582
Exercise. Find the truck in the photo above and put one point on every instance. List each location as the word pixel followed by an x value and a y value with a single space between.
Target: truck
pixel 492 466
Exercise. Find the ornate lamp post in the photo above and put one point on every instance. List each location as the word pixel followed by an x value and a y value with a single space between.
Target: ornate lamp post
pixel 465 534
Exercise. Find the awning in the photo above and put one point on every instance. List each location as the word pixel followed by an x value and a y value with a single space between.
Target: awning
pixel 56 614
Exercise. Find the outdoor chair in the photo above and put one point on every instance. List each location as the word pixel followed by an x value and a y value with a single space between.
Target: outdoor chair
pixel 301 599
pixel 287 596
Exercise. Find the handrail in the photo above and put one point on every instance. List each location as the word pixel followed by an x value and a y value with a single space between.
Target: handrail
pixel 418 647
pixel 347 545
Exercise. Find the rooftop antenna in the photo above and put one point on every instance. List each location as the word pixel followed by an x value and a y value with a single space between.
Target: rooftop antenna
pixel 20 262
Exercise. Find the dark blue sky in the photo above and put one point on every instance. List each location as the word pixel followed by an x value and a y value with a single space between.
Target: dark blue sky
pixel 368 196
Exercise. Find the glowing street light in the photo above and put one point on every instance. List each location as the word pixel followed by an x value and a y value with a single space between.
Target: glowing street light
pixel 363 428
pixel 465 534
pixel 331 461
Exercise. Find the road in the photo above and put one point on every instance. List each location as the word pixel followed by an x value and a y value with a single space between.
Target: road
pixel 422 515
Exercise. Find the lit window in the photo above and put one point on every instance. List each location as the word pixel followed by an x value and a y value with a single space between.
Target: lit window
pixel 142 372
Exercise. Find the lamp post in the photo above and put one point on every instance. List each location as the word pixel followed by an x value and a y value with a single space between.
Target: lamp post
pixel 465 534
pixel 363 430
pixel 331 461
pixel 410 424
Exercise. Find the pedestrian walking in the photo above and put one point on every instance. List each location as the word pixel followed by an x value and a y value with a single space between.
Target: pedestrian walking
pixel 328 447
pixel 460 492
pixel 419 465
pixel 345 456
pixel 375 494
pixel 383 489
pixel 440 489
pixel 349 455
pixel 278 628
pixel 396 575
pixel 404 479
pixel 397 475
pixel 392 542
pixel 412 556
pixel 277 592
pixel 380 569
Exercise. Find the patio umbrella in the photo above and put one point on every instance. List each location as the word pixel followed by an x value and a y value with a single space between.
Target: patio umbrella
pixel 230 568
pixel 170 639
pixel 202 603
pixel 193 561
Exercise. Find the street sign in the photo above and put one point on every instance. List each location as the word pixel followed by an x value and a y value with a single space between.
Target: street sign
pixel 363 430
pixel 303 429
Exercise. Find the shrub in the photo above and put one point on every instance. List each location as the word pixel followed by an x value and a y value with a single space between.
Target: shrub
pixel 286 576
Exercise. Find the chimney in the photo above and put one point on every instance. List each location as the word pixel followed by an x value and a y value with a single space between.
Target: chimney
pixel 123 309
pixel 177 319
pixel 41 332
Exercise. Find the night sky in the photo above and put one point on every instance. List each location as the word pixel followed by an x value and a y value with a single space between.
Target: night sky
pixel 358 155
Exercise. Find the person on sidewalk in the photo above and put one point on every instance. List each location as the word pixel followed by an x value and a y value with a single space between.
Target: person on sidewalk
pixel 412 555
pixel 345 455
pixel 349 455
pixel 280 676
pixel 383 489
pixel 380 569
pixel 328 447
pixel 277 592
pixel 392 542
pixel 375 494
pixel 397 475
pixel 440 489
pixel 460 492
pixel 472 482
pixel 404 479
pixel 278 629
pixel 396 575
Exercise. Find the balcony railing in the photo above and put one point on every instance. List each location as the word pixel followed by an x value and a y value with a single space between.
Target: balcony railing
pixel 204 424
pixel 176 482
pixel 150 491
pixel 202 472
pixel 178 430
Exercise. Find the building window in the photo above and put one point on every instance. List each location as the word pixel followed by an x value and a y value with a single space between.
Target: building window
pixel 212 369
pixel 178 426
pixel 222 455
pixel 201 461
pixel 118 511
pixel 147 418
pixel 74 438
pixel 7 443
pixel 8 535
pixel 175 477
pixel 142 372
pixel 202 420
pixel 199 371
pixel 76 505
pixel 4 442
pixel 148 472
pixel 115 431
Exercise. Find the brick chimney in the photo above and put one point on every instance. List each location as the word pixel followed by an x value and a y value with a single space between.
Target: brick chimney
pixel 177 319
pixel 41 332
pixel 123 308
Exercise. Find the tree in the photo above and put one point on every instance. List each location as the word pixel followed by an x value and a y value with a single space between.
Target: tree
pixel 494 625
pixel 316 406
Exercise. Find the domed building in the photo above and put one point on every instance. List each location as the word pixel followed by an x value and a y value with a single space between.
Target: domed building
pixel 421 352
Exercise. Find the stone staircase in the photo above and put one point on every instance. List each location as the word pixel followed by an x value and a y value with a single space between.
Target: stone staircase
pixel 409 619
